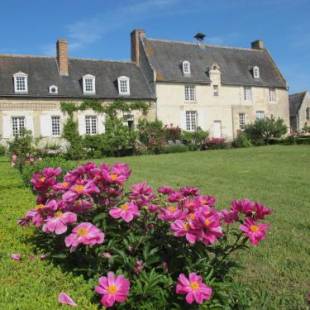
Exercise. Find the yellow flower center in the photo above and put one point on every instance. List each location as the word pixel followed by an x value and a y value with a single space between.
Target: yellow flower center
pixel 82 232
pixel 114 177
pixel 58 214
pixel 65 184
pixel 171 209
pixel 207 222
pixel 124 207
pixel 42 179
pixel 79 188
pixel 40 206
pixel 112 289
pixel 186 226
pixel 194 285
pixel 191 216
pixel 254 228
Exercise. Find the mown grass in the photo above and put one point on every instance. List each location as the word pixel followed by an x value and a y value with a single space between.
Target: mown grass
pixel 278 176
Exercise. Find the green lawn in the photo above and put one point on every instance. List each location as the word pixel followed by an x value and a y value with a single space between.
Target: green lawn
pixel 278 176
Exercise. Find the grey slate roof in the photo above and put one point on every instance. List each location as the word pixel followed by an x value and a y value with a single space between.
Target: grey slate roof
pixel 296 101
pixel 235 63
pixel 43 72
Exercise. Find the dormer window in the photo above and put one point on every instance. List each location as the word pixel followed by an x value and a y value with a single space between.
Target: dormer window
pixel 89 84
pixel 256 72
pixel 186 67
pixel 215 67
pixel 53 89
pixel 20 82
pixel 123 85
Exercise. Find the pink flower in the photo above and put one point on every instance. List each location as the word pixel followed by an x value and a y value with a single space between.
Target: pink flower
pixel 127 212
pixel 171 213
pixel 42 181
pixel 141 194
pixel 77 190
pixel 254 231
pixel 58 223
pixel 175 197
pixel 189 191
pixel 139 265
pixel 182 228
pixel 113 289
pixel 244 206
pixel 85 233
pixel 16 256
pixel 194 288
pixel 260 211
pixel 229 216
pixel 165 190
pixel 65 299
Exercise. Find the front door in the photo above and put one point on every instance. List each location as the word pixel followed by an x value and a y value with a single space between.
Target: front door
pixel 217 129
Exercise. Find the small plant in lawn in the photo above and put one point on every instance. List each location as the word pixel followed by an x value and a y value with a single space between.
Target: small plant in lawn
pixel 169 249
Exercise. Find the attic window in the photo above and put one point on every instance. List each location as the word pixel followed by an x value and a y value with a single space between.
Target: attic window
pixel 215 67
pixel 256 72
pixel 123 85
pixel 89 84
pixel 186 67
pixel 53 89
pixel 20 82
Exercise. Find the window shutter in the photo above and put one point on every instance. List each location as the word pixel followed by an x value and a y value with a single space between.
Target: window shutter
pixel 7 127
pixel 81 120
pixel 46 125
pixel 101 123
pixel 29 123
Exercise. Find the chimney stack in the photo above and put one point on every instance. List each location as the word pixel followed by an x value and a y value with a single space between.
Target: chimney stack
pixel 136 35
pixel 62 57
pixel 258 45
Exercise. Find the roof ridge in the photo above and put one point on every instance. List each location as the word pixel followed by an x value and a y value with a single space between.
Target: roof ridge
pixel 26 56
pixel 299 93
pixel 206 45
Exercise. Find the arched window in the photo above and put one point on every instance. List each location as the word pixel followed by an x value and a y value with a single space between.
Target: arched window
pixel 53 89
pixel 186 67
pixel 89 84
pixel 123 85
pixel 256 72
pixel 20 82
pixel 215 66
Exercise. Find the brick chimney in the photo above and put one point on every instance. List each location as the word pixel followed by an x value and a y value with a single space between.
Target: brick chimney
pixel 136 35
pixel 62 57
pixel 258 45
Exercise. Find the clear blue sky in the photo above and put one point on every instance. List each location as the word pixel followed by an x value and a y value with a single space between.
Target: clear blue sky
pixel 100 28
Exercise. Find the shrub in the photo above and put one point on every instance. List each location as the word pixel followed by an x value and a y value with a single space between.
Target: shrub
pixel 172 133
pixel 94 145
pixel 216 143
pixel 152 135
pixel 262 130
pixel 54 162
pixel 2 150
pixel 306 128
pixel 154 248
pixel 196 140
pixel 242 141
pixel 175 148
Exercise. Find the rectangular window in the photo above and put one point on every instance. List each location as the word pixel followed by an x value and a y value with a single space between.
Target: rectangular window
pixel 241 120
pixel 247 93
pixel 89 83
pixel 18 125
pixel 55 125
pixel 260 114
pixel 272 95
pixel 191 120
pixel 91 124
pixel 20 84
pixel 215 90
pixel 190 93
pixel 308 114
pixel 123 86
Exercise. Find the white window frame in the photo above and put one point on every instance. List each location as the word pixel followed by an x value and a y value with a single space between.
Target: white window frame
pixel 247 93
pixel 120 81
pixel 216 90
pixel 191 120
pixel 55 127
pixel 20 75
pixel 241 120
pixel 16 125
pixel 91 124
pixel 272 95
pixel 190 93
pixel 256 72
pixel 186 67
pixel 86 78
pixel 50 90
pixel 260 115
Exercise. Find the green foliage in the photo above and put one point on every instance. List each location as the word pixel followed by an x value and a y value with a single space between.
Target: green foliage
pixel 21 146
pixel 118 139
pixel 94 145
pixel 175 148
pixel 242 141
pixel 306 128
pixel 54 162
pixel 152 135
pixel 71 134
pixel 2 150
pixel 172 133
pixel 196 140
pixel 262 130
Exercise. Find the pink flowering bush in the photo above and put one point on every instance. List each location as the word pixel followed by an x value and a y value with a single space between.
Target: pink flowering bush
pixel 146 249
